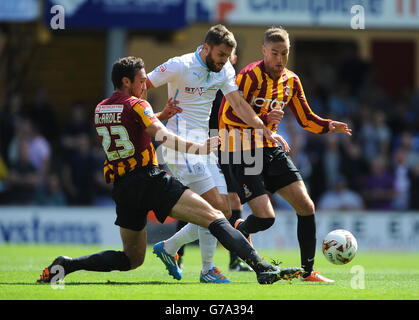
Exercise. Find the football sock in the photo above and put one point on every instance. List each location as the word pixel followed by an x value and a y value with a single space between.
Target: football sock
pixel 254 224
pixel 187 234
pixel 180 225
pixel 208 245
pixel 235 214
pixel 104 261
pixel 306 234
pixel 233 240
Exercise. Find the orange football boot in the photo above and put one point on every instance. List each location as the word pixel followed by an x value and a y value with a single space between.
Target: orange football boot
pixel 315 276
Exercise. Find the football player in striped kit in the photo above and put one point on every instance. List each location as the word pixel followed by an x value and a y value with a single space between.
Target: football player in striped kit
pixel 268 86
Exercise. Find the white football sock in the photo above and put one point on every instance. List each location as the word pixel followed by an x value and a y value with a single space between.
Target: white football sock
pixel 208 245
pixel 187 234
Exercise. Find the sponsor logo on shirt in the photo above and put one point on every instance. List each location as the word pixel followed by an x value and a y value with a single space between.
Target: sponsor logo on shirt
pixel 267 104
pixel 199 90
pixel 110 108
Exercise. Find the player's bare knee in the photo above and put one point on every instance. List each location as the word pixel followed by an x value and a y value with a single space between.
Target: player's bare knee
pixel 306 208
pixel 264 213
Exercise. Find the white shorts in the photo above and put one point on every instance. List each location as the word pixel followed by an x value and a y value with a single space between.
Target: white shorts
pixel 200 173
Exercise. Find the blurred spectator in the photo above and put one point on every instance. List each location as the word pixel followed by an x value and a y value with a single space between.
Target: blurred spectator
pixel 102 191
pixel 314 149
pixel 322 73
pixel 375 134
pixel 317 104
pixel 39 150
pixel 341 102
pixel 374 95
pixel 331 160
pixel 10 114
pixel 399 116
pixel 407 142
pixel 42 114
pixel 77 123
pixel 402 180
pixel 339 197
pixel 378 187
pixel 353 70
pixel 23 178
pixel 51 194
pixel 351 158
pixel 78 172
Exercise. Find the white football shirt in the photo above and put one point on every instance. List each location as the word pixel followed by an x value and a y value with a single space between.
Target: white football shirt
pixel 191 83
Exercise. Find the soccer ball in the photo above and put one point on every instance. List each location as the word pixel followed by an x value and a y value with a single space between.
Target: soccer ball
pixel 339 246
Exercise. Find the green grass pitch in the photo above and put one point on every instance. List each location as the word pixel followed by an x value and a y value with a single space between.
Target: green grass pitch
pixel 370 276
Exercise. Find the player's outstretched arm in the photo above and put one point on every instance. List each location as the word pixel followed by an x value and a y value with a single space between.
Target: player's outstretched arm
pixel 340 127
pixel 172 141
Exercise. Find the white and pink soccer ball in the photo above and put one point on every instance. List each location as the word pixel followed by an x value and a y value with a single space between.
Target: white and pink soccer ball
pixel 339 246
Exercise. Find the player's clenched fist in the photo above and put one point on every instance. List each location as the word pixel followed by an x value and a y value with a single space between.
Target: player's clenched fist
pixel 275 115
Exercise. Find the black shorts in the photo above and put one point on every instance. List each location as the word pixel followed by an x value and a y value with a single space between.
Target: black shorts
pixel 232 185
pixel 277 172
pixel 141 190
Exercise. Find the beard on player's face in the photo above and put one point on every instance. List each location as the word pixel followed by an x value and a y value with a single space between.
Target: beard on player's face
pixel 212 64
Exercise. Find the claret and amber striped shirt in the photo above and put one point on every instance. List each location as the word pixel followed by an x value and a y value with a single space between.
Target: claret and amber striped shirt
pixel 120 122
pixel 265 94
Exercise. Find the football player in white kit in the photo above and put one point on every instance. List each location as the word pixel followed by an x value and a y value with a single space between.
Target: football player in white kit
pixel 193 79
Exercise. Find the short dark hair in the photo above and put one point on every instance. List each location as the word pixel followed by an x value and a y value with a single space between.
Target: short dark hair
pixel 125 67
pixel 276 34
pixel 219 34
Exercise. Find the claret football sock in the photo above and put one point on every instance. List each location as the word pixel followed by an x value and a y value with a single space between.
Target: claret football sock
pixel 104 261
pixel 306 234
pixel 233 240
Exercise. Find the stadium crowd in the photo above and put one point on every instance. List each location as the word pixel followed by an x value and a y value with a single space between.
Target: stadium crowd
pixel 45 163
